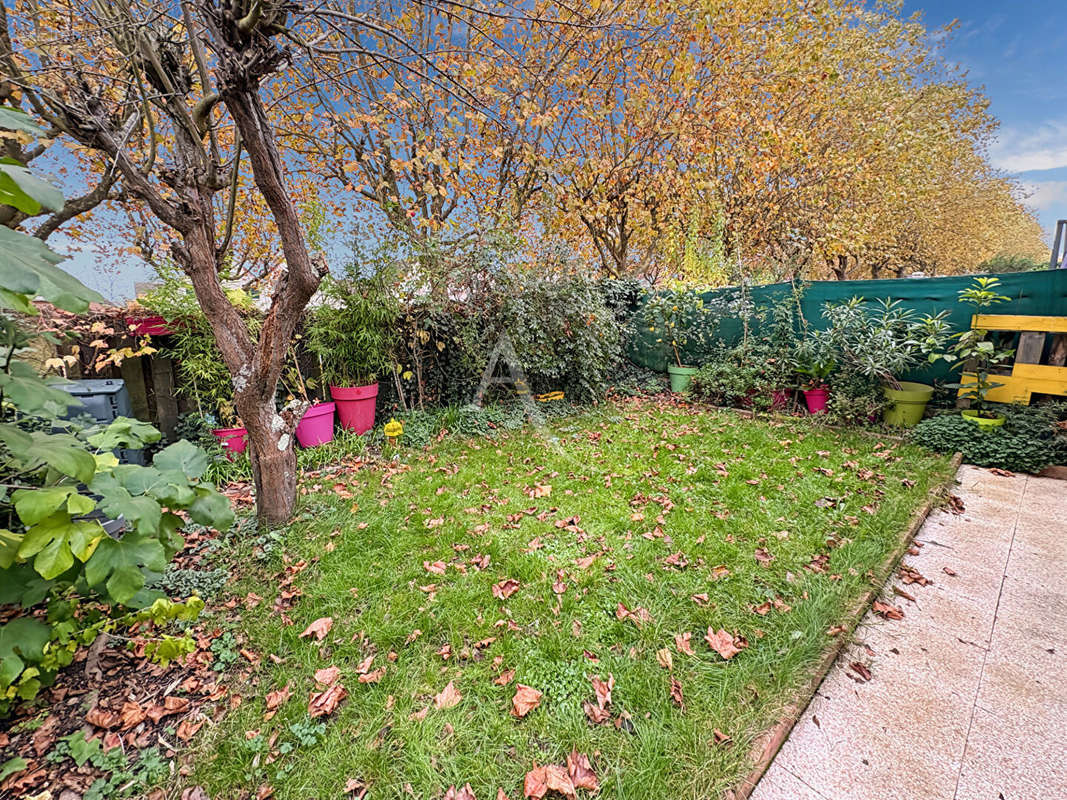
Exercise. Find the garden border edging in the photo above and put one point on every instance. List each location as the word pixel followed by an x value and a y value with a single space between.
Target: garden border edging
pixel 773 740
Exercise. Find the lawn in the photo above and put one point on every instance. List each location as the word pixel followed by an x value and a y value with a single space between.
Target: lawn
pixel 609 538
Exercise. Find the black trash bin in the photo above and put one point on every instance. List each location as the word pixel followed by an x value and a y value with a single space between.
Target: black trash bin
pixel 104 399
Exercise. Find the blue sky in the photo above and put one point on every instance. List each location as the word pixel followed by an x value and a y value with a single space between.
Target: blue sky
pixel 1017 52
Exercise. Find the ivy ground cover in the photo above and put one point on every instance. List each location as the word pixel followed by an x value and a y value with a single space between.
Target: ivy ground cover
pixel 636 594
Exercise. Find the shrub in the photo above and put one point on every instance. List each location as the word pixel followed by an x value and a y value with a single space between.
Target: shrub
pixel 855 400
pixel 1028 441
pixel 353 332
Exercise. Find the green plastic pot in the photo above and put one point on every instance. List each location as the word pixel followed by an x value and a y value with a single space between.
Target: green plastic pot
pixel 680 377
pixel 982 422
pixel 906 404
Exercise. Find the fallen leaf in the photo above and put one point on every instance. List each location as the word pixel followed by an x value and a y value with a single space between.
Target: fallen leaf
pixel 526 699
pixel 637 616
pixel 723 643
pixel 602 689
pixel 372 677
pixel 327 675
pixel 763 555
pixel 581 772
pixel 466 793
pixel 448 697
pixel 436 567
pixel 355 788
pixel 720 737
pixel 505 588
pixel 535 784
pixel 676 693
pixel 188 728
pixel 102 718
pixel 319 628
pixel 888 611
pixel 596 714
pixel 326 702
pixel 557 780
pixel 860 670
pixel 664 659
pixel 683 641
pixel 505 677
pixel 171 705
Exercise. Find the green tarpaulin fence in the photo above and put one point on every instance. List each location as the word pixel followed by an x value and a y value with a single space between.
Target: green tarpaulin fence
pixel 1032 293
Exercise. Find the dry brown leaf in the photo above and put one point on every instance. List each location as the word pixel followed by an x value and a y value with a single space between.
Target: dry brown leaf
pixel 603 690
pixel 535 784
pixel 723 643
pixel 557 780
pixel 364 665
pixel 888 611
pixel 664 659
pixel 171 705
pixel 861 670
pixel 436 567
pixel 466 793
pixel 581 772
pixel 596 714
pixel 277 698
pixel 188 728
pixel 372 677
pixel 676 693
pixel 319 628
pixel 355 789
pixel 526 699
pixel 102 718
pixel 505 588
pixel 683 641
pixel 505 677
pixel 449 696
pixel 327 675
pixel 325 703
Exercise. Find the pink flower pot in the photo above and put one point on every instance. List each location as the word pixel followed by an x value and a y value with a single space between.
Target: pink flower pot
pixel 355 406
pixel 316 426
pixel 235 440
pixel 816 399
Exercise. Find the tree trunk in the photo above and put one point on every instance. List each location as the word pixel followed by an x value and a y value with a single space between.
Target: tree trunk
pixel 270 444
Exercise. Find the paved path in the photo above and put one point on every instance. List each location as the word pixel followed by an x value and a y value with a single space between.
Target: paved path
pixel 968 699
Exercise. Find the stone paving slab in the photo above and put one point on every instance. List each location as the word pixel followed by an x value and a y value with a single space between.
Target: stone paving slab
pixel 968 699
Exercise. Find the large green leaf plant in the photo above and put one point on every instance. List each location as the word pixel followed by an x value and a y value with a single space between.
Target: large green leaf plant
pixel 69 578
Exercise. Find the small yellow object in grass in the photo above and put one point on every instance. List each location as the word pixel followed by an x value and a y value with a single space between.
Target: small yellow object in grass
pixel 548 396
pixel 394 428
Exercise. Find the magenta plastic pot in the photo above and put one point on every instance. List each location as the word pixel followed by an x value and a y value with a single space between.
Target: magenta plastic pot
pixel 816 399
pixel 355 406
pixel 316 426
pixel 235 440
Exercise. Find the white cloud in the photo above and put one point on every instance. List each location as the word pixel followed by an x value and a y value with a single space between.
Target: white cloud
pixel 1043 195
pixel 1042 147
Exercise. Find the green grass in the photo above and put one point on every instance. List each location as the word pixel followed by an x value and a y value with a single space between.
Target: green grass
pixel 368 580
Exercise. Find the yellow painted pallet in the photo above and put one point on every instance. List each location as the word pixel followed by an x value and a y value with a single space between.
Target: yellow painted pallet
pixel 1028 374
